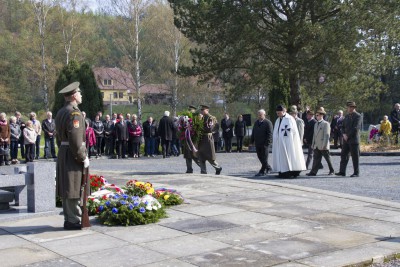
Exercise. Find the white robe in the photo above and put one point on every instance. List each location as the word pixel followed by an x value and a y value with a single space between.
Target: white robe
pixel 287 152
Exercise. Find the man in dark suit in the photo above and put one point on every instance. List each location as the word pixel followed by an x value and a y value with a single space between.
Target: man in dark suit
pixel 351 140
pixel 121 135
pixel 165 131
pixel 261 136
pixel 227 132
pixel 308 136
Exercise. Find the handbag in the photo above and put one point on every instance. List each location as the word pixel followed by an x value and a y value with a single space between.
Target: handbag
pixel 4 151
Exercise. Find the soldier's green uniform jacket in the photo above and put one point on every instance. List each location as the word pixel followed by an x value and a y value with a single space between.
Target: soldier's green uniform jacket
pixel 71 136
pixel 206 144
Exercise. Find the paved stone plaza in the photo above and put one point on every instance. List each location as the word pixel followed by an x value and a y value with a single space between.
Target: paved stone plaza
pixel 228 220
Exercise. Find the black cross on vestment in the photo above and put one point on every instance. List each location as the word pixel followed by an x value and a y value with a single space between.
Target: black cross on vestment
pixel 286 130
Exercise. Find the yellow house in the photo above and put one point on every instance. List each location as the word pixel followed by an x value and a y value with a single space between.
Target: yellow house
pixel 116 86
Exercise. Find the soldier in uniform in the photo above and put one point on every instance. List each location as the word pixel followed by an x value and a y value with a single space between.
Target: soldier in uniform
pixel 206 145
pixel 188 154
pixel 72 159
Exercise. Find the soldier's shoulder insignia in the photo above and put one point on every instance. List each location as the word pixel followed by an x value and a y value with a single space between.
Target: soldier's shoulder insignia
pixel 76 123
pixel 75 113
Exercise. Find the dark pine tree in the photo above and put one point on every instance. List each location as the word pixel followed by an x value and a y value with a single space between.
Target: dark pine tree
pixel 92 99
pixel 68 74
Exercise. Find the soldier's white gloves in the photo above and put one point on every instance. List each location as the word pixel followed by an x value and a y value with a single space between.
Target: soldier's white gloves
pixel 86 163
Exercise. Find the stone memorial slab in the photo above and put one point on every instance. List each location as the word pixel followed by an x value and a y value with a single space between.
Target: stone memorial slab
pixel 59 262
pixel 33 224
pixel 246 218
pixel 285 199
pixel 290 248
pixel 169 263
pixel 131 255
pixel 145 233
pixel 175 215
pixel 255 204
pixel 234 256
pixel 26 254
pixel 185 246
pixel 51 234
pixel 94 242
pixel 207 210
pixel 288 211
pixel 11 241
pixel 375 227
pixel 240 235
pixel 347 257
pixel 289 227
pixel 290 264
pixel 339 238
pixel 371 213
pixel 334 219
pixel 194 226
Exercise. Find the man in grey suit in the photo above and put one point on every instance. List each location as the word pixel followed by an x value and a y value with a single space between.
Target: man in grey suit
pixel 351 140
pixel 320 143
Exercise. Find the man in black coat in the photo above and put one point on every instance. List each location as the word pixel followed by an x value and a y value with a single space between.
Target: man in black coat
pixel 227 132
pixel 395 120
pixel 165 131
pixel 149 134
pixel 351 140
pixel 261 136
pixel 49 129
pixel 308 136
pixel 121 136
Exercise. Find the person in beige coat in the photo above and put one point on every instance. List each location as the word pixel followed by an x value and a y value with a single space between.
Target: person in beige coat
pixel 320 143
pixel 38 129
pixel 29 141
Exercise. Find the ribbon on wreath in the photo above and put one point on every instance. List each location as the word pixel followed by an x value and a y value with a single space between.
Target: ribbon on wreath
pixel 189 141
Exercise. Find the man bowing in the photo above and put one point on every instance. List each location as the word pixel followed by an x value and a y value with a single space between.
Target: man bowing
pixel 287 152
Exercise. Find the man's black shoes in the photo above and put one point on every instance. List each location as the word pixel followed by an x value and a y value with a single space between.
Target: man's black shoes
pixel 331 173
pixel 340 174
pixel 354 175
pixel 72 226
pixel 311 174
pixel 260 174
pixel 218 171
pixel 189 171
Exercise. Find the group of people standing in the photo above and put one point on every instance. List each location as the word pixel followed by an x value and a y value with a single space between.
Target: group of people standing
pixel 291 132
pixel 17 134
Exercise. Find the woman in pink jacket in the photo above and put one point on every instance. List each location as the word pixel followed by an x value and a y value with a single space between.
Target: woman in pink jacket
pixel 90 140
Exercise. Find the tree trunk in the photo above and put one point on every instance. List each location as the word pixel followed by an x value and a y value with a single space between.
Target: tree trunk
pixel 175 87
pixel 137 62
pixel 294 84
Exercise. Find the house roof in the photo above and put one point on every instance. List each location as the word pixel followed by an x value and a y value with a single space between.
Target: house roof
pixel 121 80
pixel 154 89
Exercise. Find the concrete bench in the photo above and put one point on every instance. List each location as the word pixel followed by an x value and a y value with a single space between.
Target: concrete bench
pixel 31 185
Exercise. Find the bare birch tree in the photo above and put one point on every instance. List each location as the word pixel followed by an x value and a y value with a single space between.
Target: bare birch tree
pixel 170 43
pixel 70 24
pixel 129 15
pixel 41 9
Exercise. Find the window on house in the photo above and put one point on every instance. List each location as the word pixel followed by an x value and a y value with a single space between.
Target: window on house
pixel 121 95
pixel 107 82
pixel 115 95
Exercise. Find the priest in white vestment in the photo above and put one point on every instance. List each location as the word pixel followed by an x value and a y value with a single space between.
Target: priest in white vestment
pixel 287 152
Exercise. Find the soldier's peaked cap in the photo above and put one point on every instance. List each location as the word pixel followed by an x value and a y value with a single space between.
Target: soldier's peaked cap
pixel 204 107
pixel 70 89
